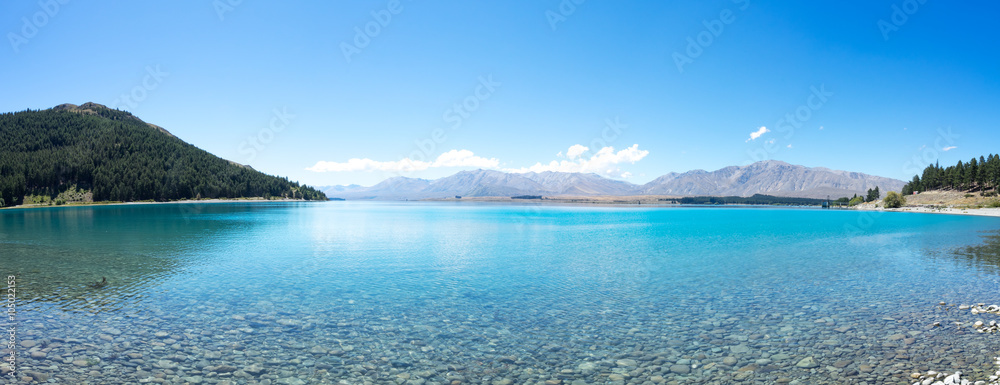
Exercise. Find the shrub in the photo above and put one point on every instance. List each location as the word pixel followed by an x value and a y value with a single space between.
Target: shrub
pixel 894 201
pixel 994 204
pixel 969 195
pixel 855 201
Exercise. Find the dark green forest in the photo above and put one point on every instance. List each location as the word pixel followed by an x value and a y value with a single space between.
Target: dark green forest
pixel 756 199
pixel 118 157
pixel 975 175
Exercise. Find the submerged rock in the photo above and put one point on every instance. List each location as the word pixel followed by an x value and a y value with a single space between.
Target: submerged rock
pixel 808 363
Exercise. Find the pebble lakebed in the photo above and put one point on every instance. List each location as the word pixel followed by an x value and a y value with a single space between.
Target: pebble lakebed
pixel 364 342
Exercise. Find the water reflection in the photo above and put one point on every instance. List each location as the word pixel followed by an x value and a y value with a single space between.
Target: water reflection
pixel 60 254
pixel 984 256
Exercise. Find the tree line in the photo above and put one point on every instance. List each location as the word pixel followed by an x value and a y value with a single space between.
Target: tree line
pixel 975 175
pixel 119 158
pixel 756 199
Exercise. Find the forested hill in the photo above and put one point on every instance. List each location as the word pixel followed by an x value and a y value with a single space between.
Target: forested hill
pixel 115 156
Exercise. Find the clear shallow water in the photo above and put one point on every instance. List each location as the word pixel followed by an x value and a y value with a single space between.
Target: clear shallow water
pixel 347 292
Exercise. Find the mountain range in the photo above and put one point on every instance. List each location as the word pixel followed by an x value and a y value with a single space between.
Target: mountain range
pixel 767 177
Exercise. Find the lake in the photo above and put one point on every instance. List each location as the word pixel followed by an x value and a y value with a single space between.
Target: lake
pixel 459 293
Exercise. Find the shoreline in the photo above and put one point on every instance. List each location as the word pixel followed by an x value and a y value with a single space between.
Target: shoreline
pixel 597 201
pixel 117 203
pixel 981 212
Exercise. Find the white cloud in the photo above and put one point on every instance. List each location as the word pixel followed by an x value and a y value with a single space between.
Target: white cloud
pixel 949 148
pixel 771 141
pixel 575 151
pixel 464 158
pixel 756 134
pixel 821 128
pixel 604 162
pixel 789 146
pixel 453 158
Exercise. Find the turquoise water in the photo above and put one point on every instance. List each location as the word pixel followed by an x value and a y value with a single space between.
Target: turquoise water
pixel 433 293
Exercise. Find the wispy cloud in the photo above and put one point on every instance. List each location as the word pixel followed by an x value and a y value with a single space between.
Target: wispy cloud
pixel 756 134
pixel 604 162
pixel 949 148
pixel 453 158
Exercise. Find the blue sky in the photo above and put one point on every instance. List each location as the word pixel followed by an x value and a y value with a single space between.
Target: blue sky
pixel 291 88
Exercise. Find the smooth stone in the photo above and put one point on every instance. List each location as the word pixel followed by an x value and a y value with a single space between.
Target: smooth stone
pixel 626 363
pixel 739 349
pixel 807 363
pixel 37 354
pixel 80 363
pixel 40 377
pixel 680 369
pixel 730 361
